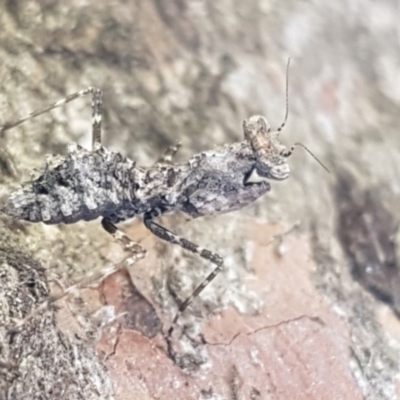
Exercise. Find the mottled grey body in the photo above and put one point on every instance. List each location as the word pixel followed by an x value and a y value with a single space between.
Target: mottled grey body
pixel 85 185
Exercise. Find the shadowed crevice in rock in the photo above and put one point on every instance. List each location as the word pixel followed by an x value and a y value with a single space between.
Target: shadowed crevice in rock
pixel 367 231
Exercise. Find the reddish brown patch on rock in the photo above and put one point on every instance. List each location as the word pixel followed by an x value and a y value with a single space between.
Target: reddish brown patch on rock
pixel 296 347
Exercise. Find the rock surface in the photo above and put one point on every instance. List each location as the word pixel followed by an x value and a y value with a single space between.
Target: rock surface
pixel 307 306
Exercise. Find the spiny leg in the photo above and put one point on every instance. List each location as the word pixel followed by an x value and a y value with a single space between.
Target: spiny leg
pixel 97 109
pixel 97 115
pixel 171 237
pixel 136 251
pixel 169 153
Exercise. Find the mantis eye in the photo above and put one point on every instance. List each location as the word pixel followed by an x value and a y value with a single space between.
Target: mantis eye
pixel 280 172
pixel 254 177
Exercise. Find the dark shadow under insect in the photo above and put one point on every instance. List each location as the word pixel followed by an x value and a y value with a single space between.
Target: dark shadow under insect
pixel 85 185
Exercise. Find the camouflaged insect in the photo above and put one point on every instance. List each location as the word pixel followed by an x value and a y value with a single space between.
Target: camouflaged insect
pixel 85 185
pixel 99 183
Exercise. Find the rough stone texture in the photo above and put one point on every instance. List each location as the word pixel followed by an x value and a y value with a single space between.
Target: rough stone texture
pixel 38 361
pixel 288 319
